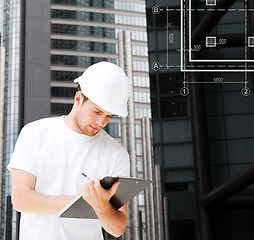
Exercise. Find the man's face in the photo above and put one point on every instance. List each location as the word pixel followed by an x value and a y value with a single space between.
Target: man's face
pixel 90 118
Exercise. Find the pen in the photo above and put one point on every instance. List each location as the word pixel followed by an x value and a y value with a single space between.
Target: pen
pixel 86 176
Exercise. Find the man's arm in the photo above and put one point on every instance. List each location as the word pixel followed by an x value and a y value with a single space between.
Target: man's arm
pixel 25 199
pixel 112 220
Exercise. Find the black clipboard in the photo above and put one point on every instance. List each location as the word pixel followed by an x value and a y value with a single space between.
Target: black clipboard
pixel 128 188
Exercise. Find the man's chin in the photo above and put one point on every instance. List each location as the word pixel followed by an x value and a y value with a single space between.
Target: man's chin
pixel 91 132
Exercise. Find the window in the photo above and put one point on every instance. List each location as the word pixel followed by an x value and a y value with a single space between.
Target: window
pixel 167 90
pixel 63 92
pixel 173 106
pixel 113 129
pixel 130 6
pixel 142 112
pixel 82 30
pixel 140 81
pixel 60 108
pixel 141 200
pixel 83 45
pixel 139 166
pixel 127 20
pixel 138 130
pixel 140 66
pixel 142 97
pixel 139 149
pixel 139 50
pixel 80 61
pixel 64 75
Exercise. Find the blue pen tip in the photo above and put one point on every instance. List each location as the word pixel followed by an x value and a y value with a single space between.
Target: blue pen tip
pixel 84 174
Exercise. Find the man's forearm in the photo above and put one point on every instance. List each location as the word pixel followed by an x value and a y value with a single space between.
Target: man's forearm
pixel 26 199
pixel 36 203
pixel 112 220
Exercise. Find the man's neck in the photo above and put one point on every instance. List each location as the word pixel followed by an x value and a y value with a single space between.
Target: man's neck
pixel 70 122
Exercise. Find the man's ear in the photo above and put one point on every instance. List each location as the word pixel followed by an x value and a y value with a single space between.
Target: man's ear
pixel 78 98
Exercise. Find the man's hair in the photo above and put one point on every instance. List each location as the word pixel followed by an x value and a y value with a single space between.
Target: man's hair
pixel 84 97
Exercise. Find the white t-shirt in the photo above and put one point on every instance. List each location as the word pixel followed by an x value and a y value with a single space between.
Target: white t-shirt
pixel 57 156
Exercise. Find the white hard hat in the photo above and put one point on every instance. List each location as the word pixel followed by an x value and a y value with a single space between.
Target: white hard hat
pixel 106 85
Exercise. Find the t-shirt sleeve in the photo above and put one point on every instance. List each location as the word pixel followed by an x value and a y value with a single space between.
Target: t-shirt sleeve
pixel 24 155
pixel 122 165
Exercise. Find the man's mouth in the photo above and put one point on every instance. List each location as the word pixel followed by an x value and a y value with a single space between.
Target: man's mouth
pixel 94 128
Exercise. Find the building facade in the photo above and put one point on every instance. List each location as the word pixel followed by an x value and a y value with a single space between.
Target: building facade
pixel 50 43
pixel 10 39
pixel 205 138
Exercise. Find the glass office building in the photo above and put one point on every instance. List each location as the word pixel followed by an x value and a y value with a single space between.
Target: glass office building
pixel 10 39
pixel 203 139
pixel 49 44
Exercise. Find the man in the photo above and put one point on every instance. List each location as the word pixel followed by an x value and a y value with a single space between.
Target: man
pixel 51 154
